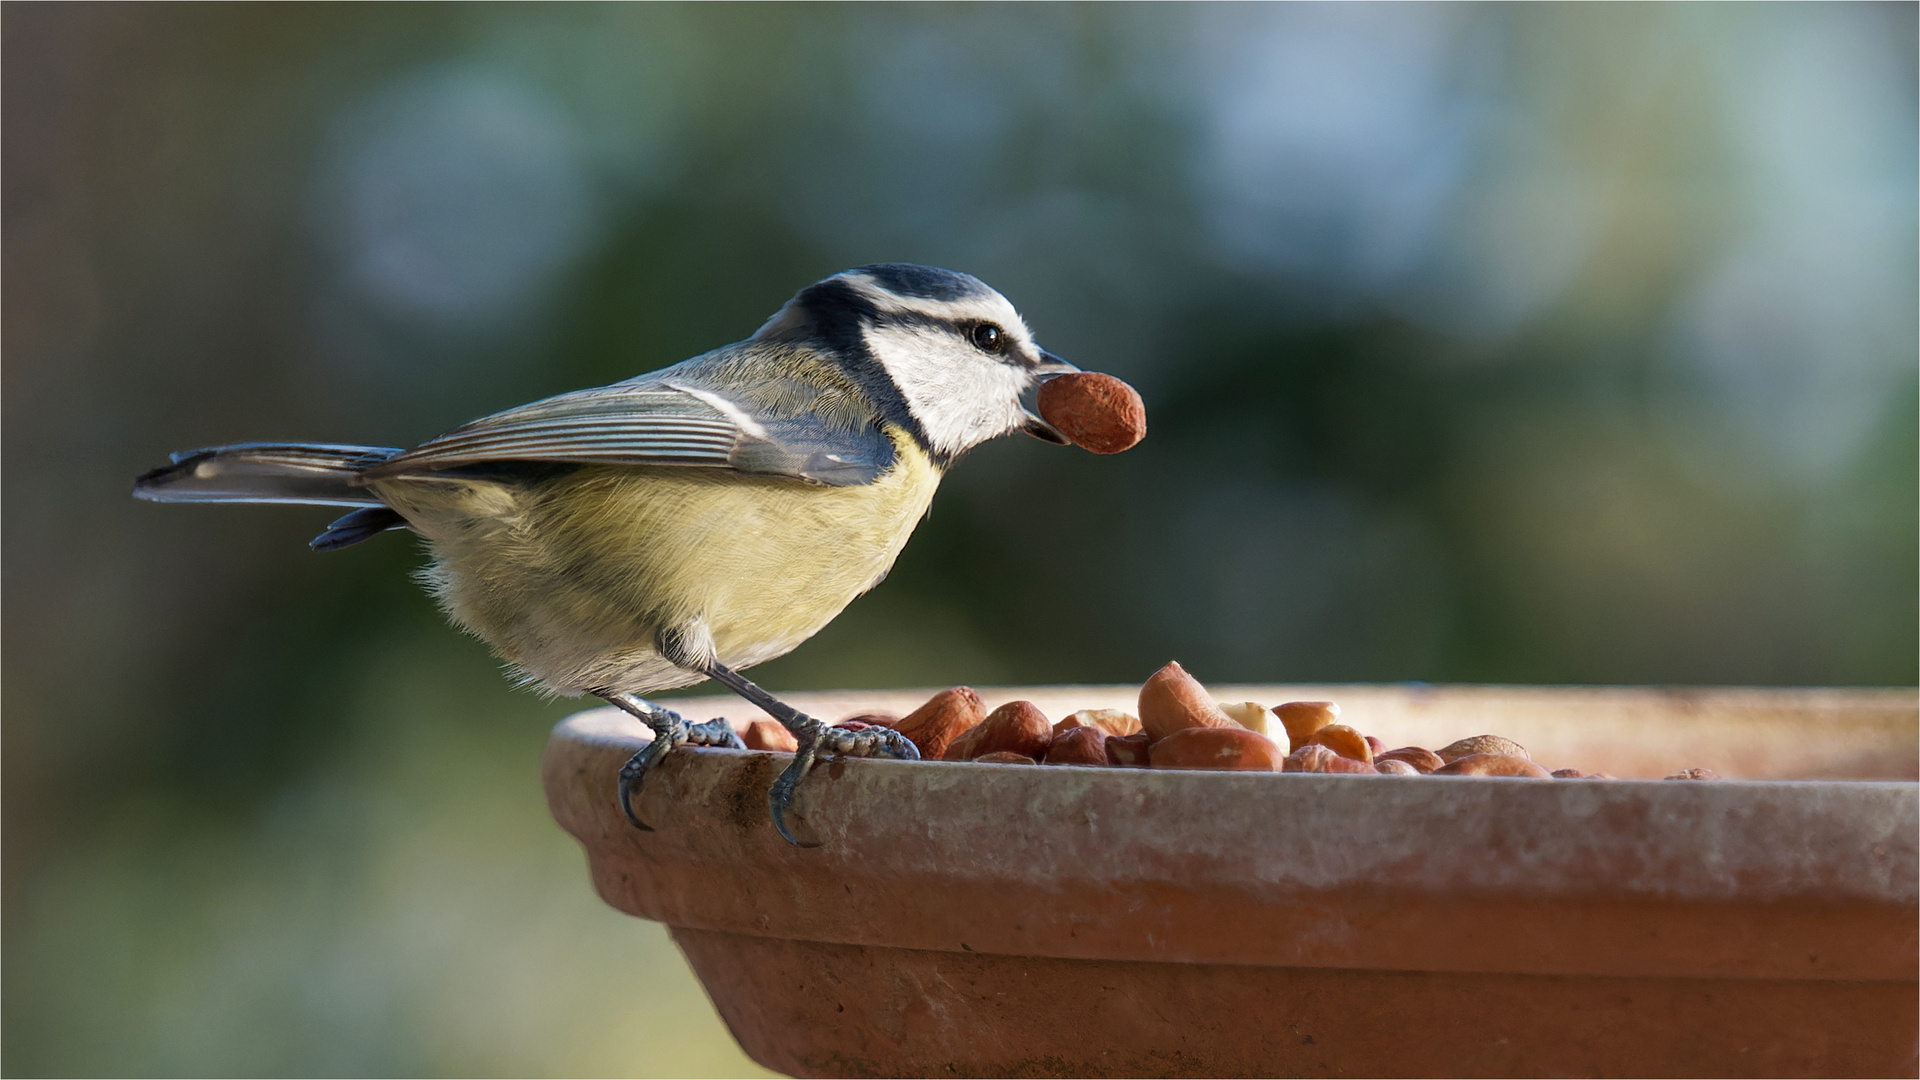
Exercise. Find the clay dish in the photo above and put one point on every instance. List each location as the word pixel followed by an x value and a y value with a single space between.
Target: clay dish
pixel 962 919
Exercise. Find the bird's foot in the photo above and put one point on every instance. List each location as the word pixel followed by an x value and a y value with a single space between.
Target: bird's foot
pixel 715 732
pixel 816 738
pixel 669 733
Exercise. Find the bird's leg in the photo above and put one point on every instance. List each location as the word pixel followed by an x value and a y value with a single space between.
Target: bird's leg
pixel 814 738
pixel 669 731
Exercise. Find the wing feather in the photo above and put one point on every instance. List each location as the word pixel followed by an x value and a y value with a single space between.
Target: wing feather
pixel 654 423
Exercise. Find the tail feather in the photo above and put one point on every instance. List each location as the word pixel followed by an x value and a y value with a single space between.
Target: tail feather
pixel 318 473
pixel 362 524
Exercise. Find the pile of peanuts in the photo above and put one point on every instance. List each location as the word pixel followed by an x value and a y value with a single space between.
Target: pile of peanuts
pixel 1181 726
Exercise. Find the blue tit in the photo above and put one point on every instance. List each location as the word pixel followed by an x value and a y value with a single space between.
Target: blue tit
pixel 689 523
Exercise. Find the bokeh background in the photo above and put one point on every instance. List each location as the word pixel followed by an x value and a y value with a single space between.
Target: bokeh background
pixel 1516 343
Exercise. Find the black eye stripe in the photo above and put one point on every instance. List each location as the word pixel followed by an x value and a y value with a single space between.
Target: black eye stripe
pixel 1009 351
pixel 962 328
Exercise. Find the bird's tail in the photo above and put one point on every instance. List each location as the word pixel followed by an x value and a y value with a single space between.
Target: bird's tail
pixel 319 473
pixel 315 473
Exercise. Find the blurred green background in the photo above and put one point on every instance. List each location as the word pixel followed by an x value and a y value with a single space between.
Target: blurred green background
pixel 1518 343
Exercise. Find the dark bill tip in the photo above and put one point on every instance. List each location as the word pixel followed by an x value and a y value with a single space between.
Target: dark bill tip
pixel 1043 431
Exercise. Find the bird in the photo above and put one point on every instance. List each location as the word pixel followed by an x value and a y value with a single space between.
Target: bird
pixel 691 522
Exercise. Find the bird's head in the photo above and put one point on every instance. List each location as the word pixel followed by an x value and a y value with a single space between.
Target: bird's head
pixel 943 354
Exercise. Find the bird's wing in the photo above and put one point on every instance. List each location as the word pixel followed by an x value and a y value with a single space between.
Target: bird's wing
pixel 660 421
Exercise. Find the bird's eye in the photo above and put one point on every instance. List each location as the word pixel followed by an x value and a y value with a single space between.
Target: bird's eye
pixel 987 337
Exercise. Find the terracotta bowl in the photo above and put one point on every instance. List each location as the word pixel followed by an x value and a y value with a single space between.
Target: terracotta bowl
pixel 1009 920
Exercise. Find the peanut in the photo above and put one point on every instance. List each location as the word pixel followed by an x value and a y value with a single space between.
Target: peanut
pixel 1483 744
pixel 1129 751
pixel 1303 718
pixel 1492 765
pixel 1344 741
pixel 1422 759
pixel 1248 714
pixel 768 735
pixel 1111 721
pixel 933 727
pixel 1018 727
pixel 1078 746
pixel 1394 767
pixel 1004 757
pixel 1695 774
pixel 871 719
pixel 1316 758
pixel 1216 748
pixel 1173 700
pixel 1095 412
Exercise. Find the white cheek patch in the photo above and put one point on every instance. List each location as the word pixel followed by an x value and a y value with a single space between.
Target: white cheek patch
pixel 961 397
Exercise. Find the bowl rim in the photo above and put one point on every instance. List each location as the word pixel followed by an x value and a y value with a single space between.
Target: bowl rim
pixel 1330 871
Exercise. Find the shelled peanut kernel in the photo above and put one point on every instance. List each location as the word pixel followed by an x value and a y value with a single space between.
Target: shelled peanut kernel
pixel 1181 726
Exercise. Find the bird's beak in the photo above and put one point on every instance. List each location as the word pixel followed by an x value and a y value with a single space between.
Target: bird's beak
pixel 1042 430
pixel 1050 366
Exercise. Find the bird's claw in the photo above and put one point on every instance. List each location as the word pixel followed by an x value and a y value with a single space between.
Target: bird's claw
pixel 816 738
pixel 780 795
pixel 634 773
pixel 670 733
